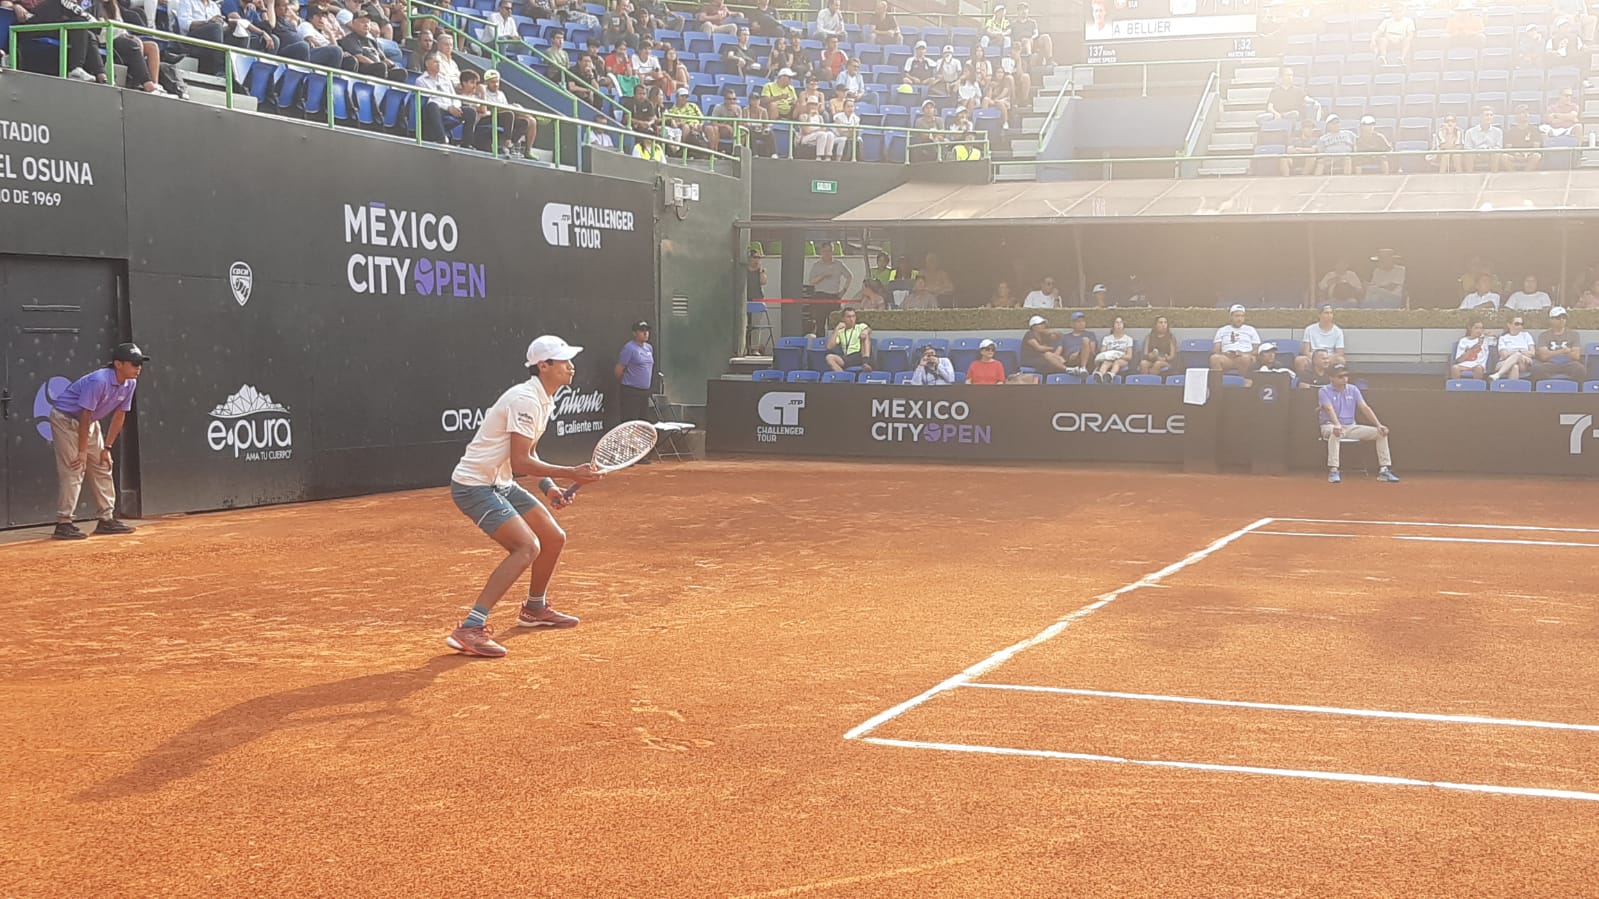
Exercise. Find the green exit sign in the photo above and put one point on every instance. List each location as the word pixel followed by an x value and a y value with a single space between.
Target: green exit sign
pixel 824 187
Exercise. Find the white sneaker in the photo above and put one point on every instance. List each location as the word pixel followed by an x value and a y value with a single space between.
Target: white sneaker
pixel 79 74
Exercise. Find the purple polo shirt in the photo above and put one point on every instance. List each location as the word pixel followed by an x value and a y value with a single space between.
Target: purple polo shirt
pixel 97 392
pixel 1344 403
pixel 638 365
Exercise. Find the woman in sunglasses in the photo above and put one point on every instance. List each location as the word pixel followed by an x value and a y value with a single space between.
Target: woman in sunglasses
pixel 1515 351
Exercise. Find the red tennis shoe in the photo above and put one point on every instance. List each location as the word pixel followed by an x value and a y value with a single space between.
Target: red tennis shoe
pixel 545 617
pixel 475 641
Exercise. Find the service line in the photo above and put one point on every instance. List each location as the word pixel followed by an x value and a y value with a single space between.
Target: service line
pixel 1424 539
pixel 1048 633
pixel 1442 524
pixel 1378 779
pixel 1285 707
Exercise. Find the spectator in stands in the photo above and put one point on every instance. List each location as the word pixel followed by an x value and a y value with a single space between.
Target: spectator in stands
pixel 1160 349
pixel 1079 346
pixel 968 92
pixel 1530 48
pixel 884 29
pixel 926 142
pixel 616 26
pixel 947 74
pixel 779 96
pixel 1470 358
pixel 1047 296
pixel 1304 142
pixel 1028 66
pixel 1387 284
pixel 1286 102
pixel 729 109
pixel 1003 298
pixel 141 58
pixel 850 344
pixel 933 370
pixel 363 48
pixel 1370 140
pixel 1392 39
pixel 244 19
pixel 715 18
pixel 765 23
pixel 1529 298
pixel 1485 135
pixel 1322 336
pixel 762 141
pixel 1590 296
pixel 1099 293
pixel 831 60
pixel 1024 28
pixel 506 28
pixel 851 79
pixel 673 73
pixel 1563 118
pixel 812 93
pixel 1580 13
pixel 655 14
pixel 571 12
pixel 848 128
pixel 440 114
pixel 1523 140
pixel 829 279
pixel 835 105
pixel 449 69
pixel 830 20
pixel 1340 401
pixel 1269 364
pixel 903 272
pixel 1335 141
pixel 1465 27
pixel 619 65
pixel 646 65
pixel 1483 295
pixel 200 19
pixel 920 297
pixel 1559 350
pixel 686 116
pixel 598 137
pixel 1341 285
pixel 1320 372
pixel 585 80
pixel 556 53
pixel 519 127
pixel 294 39
pixel 1517 351
pixel 647 110
pixel 1449 137
pixel 787 55
pixel 1563 45
pixel 743 58
pixel 1115 352
pixel 963 140
pixel 919 69
pixel 647 148
pixel 938 281
pixel 1236 344
pixel 985 369
pixel 1476 267
pixel 874 296
pixel 1041 347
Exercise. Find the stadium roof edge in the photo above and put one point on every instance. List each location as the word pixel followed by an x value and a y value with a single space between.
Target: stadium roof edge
pixel 1506 195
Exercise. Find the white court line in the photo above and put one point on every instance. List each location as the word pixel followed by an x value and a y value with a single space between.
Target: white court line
pixel 1379 779
pixel 1283 707
pixel 1442 524
pixel 1505 542
pixel 1004 655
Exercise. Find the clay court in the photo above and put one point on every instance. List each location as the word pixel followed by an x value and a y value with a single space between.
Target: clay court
pixel 824 679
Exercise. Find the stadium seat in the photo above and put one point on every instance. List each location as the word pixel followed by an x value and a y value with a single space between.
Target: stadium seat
pixel 767 374
pixel 1286 348
pixel 1231 380
pixel 816 354
pixel 903 377
pixel 963 352
pixel 1590 352
pixel 1195 351
pixel 790 354
pixel 937 343
pixel 804 377
pixel 1466 384
pixel 1556 385
pixel 1142 380
pixel 1505 385
pixel 1590 386
pixel 876 377
pixel 894 354
pixel 838 377
pixel 1062 378
pixel 1176 380
pixel 1008 350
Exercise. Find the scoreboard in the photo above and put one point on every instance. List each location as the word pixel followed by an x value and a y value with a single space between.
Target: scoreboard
pixel 1160 30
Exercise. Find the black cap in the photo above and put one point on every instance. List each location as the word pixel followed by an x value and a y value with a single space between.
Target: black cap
pixel 641 326
pixel 128 352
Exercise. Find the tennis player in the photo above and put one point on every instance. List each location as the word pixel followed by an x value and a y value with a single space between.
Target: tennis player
pixel 484 488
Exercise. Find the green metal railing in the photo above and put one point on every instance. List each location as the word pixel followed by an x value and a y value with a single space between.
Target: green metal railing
pixel 854 17
pixel 931 137
pixel 418 94
pixel 1073 85
pixel 1296 160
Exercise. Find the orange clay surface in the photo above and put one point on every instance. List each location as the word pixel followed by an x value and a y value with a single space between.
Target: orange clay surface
pixel 260 703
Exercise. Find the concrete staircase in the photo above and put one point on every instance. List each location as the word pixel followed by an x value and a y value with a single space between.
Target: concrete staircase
pixel 1243 97
pixel 1026 147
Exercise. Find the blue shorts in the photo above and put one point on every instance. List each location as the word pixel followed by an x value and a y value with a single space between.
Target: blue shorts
pixel 491 507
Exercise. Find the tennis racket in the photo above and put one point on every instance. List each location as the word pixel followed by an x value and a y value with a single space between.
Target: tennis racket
pixel 621 446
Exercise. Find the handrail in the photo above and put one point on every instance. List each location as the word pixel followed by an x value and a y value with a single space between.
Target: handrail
pixel 744 124
pixel 499 57
pixel 855 17
pixel 110 29
pixel 1201 112
pixel 1294 157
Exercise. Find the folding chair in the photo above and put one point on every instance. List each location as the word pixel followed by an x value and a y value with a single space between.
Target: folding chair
pixel 671 436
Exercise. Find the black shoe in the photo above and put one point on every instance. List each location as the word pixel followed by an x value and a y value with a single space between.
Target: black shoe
pixel 66 530
pixel 112 526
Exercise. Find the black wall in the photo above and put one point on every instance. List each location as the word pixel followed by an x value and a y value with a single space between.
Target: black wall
pixel 61 169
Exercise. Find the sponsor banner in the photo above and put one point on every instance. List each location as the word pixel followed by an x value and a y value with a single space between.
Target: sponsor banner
pixel 576 412
pixel 61 170
pixel 980 423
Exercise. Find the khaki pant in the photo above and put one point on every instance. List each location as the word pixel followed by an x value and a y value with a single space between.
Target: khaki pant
pixel 1356 432
pixel 64 434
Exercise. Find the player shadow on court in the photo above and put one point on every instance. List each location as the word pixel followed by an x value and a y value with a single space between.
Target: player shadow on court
pixel 187 753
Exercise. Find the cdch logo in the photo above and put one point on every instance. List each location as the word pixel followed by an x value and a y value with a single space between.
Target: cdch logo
pixel 1580 426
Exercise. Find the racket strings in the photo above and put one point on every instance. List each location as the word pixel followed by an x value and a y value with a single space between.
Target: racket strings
pixel 624 445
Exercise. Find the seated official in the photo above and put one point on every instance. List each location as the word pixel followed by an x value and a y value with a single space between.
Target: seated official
pixel 850 344
pixel 1339 403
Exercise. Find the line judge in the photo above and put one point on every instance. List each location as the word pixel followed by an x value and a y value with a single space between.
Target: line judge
pixel 80 446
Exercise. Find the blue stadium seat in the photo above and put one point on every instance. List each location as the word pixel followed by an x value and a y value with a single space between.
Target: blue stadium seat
pixel 963 352
pixel 767 374
pixel 1590 386
pixel 937 343
pixel 960 377
pixel 838 377
pixel 903 377
pixel 1176 380
pixel 1505 385
pixel 1590 352
pixel 1556 385
pixel 789 354
pixel 1232 380
pixel 1008 350
pixel 876 377
pixel 1142 380
pixel 804 377
pixel 894 354
pixel 816 354
pixel 1062 378
pixel 1195 351
pixel 1286 349
pixel 1091 380
pixel 1466 384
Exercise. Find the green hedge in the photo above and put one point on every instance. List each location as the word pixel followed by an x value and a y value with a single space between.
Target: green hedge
pixel 1016 319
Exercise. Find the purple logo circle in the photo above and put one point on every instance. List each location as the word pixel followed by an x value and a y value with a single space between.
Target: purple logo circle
pixel 44 400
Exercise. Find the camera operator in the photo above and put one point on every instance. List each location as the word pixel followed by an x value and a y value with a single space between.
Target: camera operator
pixel 933 369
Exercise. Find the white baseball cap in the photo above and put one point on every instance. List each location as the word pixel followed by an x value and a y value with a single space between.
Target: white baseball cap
pixel 1237 307
pixel 1556 311
pixel 788 72
pixel 1268 347
pixel 922 44
pixel 949 48
pixel 1037 320
pixel 1098 288
pixel 550 347
pixel 987 342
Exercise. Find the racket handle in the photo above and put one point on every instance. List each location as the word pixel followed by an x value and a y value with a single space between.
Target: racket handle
pixel 568 493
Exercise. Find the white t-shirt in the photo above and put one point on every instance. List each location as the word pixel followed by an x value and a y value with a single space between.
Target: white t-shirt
pixel 524 409
pixel 1039 300
pixel 1317 339
pixel 1516 343
pixel 1464 345
pixel 1123 343
pixel 1239 339
pixel 1528 301
pixel 1474 299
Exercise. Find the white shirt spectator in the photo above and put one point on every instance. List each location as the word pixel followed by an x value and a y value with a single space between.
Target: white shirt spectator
pixel 854 85
pixel 1395 30
pixel 1041 300
pixel 1237 338
pixel 601 139
pixel 1477 347
pixel 311 35
pixel 1473 300
pixel 969 91
pixel 945 374
pixel 829 22
pixel 1528 302
pixel 1480 138
pixel 1123 343
pixel 646 67
pixel 949 70
pixel 1516 343
pixel 193 11
pixel 505 27
pixel 437 83
pixel 1317 339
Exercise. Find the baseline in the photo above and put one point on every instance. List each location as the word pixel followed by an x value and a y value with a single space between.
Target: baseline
pixel 1425 539
pixel 1440 524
